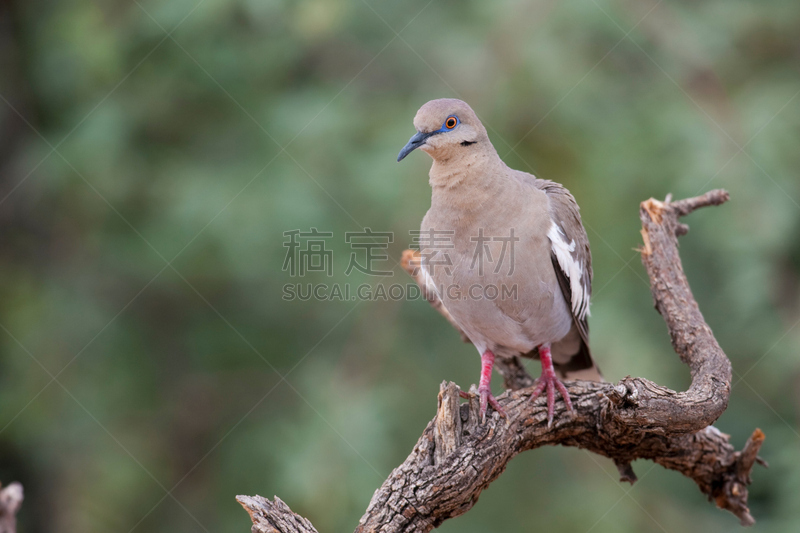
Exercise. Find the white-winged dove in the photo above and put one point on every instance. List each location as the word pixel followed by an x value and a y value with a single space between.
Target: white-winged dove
pixel 505 252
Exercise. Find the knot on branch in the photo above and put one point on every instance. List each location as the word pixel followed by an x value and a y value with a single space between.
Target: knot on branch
pixel 625 394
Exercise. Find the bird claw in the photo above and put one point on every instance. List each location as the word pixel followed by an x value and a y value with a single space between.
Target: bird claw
pixel 548 381
pixel 486 400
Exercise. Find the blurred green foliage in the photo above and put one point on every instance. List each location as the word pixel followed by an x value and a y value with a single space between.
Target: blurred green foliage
pixel 152 154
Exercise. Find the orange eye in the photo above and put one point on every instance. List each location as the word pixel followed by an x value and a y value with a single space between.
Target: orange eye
pixel 450 123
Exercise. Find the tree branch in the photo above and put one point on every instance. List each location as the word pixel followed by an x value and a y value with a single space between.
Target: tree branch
pixel 10 501
pixel 457 456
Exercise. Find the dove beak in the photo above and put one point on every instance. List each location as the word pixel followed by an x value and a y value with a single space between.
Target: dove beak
pixel 413 143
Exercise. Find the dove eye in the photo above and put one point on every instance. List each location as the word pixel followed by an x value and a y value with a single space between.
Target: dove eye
pixel 451 123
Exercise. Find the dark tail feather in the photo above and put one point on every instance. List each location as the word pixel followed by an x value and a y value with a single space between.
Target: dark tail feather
pixel 579 366
pixel 572 358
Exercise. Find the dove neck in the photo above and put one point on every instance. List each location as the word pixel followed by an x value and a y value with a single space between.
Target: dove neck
pixel 467 183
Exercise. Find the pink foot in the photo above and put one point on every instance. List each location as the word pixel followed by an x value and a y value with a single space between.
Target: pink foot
pixel 548 381
pixel 484 389
pixel 486 400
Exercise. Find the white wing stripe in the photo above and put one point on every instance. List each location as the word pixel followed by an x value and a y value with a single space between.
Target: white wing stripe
pixel 430 285
pixel 571 267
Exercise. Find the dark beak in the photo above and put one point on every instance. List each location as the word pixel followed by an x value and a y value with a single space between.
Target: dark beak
pixel 413 143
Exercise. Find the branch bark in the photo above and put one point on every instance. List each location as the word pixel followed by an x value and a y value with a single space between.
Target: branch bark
pixel 457 456
pixel 10 501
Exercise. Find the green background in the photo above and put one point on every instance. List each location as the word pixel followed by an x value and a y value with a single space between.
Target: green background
pixel 153 154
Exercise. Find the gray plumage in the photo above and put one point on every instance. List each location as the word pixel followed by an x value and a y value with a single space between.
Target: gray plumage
pixel 478 207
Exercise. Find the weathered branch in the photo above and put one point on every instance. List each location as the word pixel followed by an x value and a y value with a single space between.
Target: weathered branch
pixel 457 456
pixel 273 517
pixel 10 501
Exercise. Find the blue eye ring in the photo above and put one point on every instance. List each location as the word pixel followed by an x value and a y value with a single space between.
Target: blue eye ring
pixel 450 122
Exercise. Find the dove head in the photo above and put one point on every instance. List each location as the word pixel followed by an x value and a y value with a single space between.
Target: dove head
pixel 446 128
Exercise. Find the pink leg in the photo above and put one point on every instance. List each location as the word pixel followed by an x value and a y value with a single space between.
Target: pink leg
pixel 484 388
pixel 550 382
